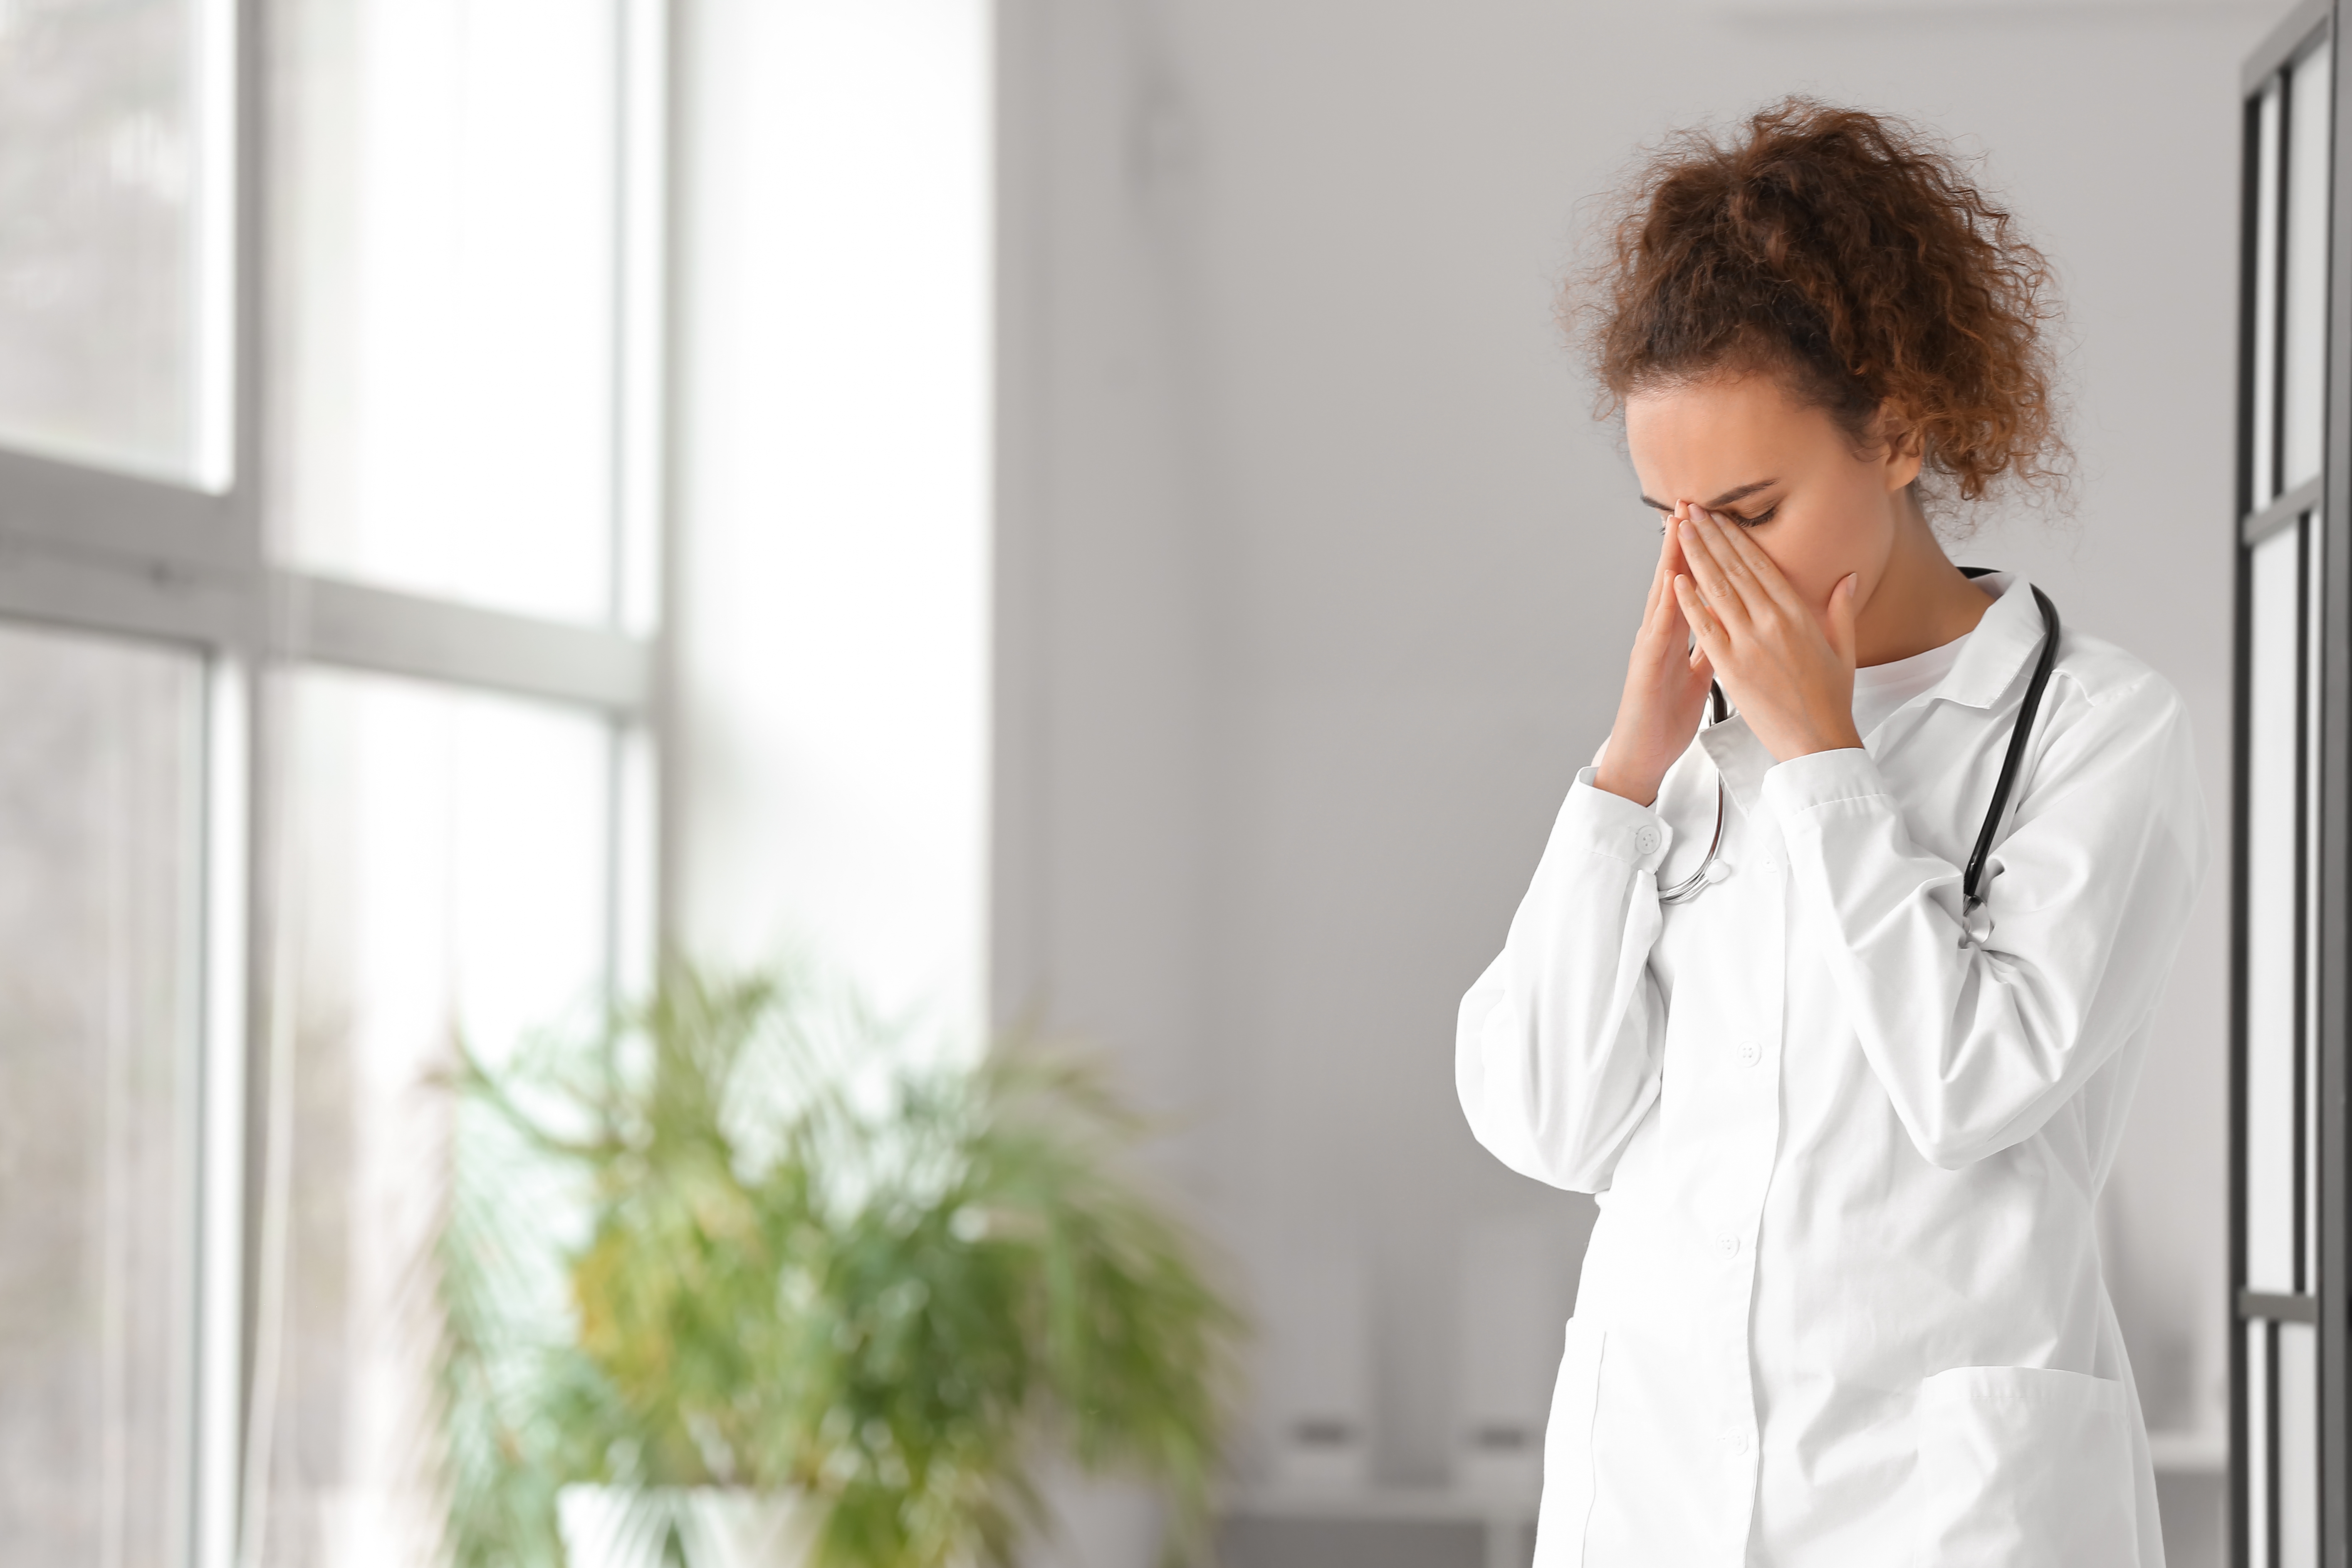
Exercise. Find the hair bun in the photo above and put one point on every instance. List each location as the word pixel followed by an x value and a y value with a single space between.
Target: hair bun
pixel 1851 254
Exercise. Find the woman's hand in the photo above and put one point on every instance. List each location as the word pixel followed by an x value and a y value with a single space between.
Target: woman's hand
pixel 1665 690
pixel 1788 665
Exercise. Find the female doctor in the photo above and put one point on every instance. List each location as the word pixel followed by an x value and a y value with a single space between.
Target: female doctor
pixel 1846 1080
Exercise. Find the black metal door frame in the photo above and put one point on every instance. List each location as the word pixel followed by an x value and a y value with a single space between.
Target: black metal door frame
pixel 2324 947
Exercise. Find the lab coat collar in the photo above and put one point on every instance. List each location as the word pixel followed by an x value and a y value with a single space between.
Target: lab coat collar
pixel 2003 645
pixel 2004 642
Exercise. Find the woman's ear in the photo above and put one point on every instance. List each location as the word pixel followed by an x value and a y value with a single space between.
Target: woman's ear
pixel 1904 445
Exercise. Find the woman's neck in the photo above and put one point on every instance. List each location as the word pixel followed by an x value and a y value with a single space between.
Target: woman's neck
pixel 1923 602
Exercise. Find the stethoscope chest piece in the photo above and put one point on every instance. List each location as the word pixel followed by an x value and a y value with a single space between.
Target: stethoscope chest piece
pixel 1710 872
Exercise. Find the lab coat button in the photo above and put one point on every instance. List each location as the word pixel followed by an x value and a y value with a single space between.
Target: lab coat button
pixel 1736 1439
pixel 1751 1053
pixel 1728 1245
pixel 1645 840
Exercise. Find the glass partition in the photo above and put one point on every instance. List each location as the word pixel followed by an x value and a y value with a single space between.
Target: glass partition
pixel 2286 1487
pixel 2262 283
pixel 2274 1076
pixel 2303 350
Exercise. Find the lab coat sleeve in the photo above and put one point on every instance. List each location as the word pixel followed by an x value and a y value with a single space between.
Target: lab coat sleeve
pixel 1977 1046
pixel 1556 1054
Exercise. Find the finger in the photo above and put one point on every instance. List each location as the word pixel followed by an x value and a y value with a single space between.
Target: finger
pixel 1762 569
pixel 1660 577
pixel 1724 539
pixel 1658 610
pixel 1707 639
pixel 1706 626
pixel 1674 525
pixel 1670 626
pixel 1717 552
pixel 1842 599
pixel 1715 570
pixel 1680 562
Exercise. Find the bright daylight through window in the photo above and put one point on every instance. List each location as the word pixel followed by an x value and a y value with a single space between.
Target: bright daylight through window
pixel 349 739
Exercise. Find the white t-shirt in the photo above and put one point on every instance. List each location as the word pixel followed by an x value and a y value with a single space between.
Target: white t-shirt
pixel 1881 689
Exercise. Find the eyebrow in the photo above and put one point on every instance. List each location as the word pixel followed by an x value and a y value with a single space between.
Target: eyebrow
pixel 1726 498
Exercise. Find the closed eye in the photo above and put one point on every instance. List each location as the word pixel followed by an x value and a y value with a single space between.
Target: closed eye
pixel 1758 521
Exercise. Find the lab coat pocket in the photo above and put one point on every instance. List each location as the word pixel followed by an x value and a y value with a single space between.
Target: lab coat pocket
pixel 1568 1449
pixel 2026 1467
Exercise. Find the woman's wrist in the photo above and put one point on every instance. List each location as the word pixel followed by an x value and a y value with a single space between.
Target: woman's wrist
pixel 1624 788
pixel 1849 741
pixel 1829 727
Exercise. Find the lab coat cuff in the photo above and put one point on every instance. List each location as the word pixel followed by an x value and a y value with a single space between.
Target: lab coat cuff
pixel 1600 823
pixel 1806 784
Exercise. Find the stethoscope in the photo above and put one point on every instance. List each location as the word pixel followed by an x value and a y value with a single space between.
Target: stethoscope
pixel 1973 929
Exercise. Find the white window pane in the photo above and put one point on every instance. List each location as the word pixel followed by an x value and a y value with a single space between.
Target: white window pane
pixel 2274 715
pixel 451 854
pixel 2265 372
pixel 100 771
pixel 2298 1445
pixel 2266 297
pixel 447 225
pixel 2306 265
pixel 2315 581
pixel 2258 1442
pixel 113 224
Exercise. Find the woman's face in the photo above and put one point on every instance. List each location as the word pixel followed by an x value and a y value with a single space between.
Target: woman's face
pixel 1744 450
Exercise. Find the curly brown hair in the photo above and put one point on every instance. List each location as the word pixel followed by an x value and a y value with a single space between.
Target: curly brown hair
pixel 1852 255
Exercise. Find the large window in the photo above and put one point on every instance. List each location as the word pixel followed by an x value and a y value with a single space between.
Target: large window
pixel 329 504
pixel 335 466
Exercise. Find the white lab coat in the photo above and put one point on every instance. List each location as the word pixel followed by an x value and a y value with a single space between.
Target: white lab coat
pixel 1843 1304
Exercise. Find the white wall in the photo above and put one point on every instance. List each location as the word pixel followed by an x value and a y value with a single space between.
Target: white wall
pixel 1315 575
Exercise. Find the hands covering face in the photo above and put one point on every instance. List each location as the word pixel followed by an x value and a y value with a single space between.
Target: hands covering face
pixel 1787 665
pixel 1719 609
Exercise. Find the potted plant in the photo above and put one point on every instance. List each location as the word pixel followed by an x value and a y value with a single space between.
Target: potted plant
pixel 815 1301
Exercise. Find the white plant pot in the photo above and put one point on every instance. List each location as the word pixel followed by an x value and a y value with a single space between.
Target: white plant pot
pixel 718 1527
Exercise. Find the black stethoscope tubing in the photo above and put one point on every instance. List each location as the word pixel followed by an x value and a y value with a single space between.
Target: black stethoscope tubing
pixel 1711 871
